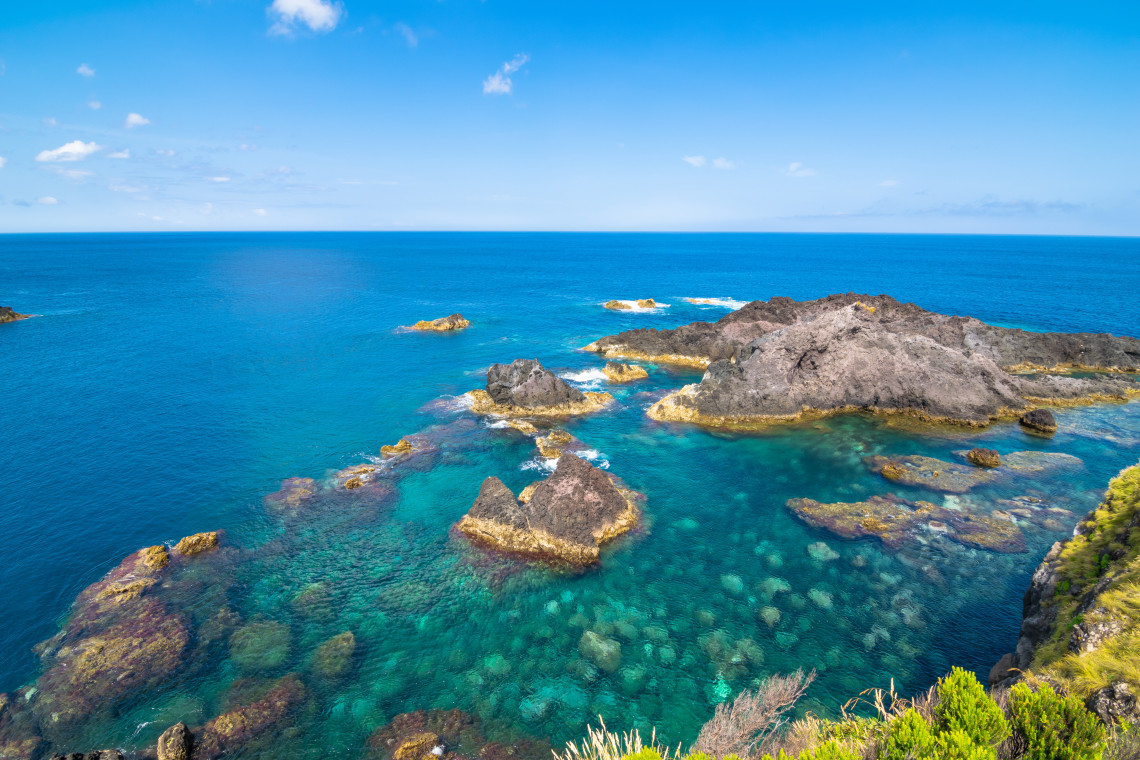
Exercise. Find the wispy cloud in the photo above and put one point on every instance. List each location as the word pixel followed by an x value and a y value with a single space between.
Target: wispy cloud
pixel 72 174
pixel 796 169
pixel 260 211
pixel 125 153
pixel 409 35
pixel 319 15
pixel 85 71
pixel 500 82
pixel 889 183
pixel 136 120
pixel 218 179
pixel 722 163
pixel 76 150
pixel 94 105
pixel 47 200
pixel 697 161
pixel 701 162
pixel 2 162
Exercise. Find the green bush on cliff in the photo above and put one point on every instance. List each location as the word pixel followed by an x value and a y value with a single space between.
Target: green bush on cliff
pixel 911 738
pixel 963 705
pixel 1052 727
pixel 957 744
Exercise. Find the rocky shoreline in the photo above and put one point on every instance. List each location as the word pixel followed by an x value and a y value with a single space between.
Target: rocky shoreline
pixel 7 314
pixel 782 361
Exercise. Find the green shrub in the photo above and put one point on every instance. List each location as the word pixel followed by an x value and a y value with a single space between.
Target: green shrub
pixel 956 744
pixel 963 705
pixel 911 738
pixel 646 753
pixel 830 750
pixel 1053 727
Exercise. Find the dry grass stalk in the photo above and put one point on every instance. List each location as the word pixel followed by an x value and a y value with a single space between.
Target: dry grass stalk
pixel 603 744
pixel 747 725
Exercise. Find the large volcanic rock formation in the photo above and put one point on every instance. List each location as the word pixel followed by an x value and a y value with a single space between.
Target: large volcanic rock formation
pixel 781 360
pixel 525 388
pixel 566 519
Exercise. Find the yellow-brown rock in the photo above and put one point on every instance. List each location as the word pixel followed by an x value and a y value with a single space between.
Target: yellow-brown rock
pixel 618 372
pixel 523 426
pixel 154 557
pixel 526 493
pixel 482 403
pixel 352 483
pixel 404 446
pixel 617 305
pixel 197 543
pixel 443 324
pixel 646 303
pixel 418 747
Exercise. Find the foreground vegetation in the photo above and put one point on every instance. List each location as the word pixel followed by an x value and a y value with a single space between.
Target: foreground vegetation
pixel 956 720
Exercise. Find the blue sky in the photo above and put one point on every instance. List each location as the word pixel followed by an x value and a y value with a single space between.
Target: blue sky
pixel 501 114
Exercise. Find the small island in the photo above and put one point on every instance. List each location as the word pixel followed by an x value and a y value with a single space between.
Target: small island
pixel 443 324
pixel 524 388
pixel 566 518
pixel 619 372
pixel 7 314
pixel 640 303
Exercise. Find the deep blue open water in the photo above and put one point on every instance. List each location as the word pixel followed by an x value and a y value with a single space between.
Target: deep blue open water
pixel 170 382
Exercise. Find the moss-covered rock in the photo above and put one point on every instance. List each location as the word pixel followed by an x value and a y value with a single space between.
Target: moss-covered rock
pixel 261 646
pixel 333 659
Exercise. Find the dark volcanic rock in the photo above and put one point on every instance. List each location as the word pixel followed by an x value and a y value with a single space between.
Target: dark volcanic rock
pixel 1041 420
pixel 852 353
pixel 569 515
pixel 526 383
pixel 8 315
pixel 1114 703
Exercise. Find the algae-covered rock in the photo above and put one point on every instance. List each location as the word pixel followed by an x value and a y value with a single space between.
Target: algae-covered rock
pixel 8 315
pixel 928 472
pixel 261 646
pixel 447 734
pixel 600 650
pixel 403 446
pixel 197 543
pixel 334 657
pixel 255 721
pixel 983 457
pixel 620 372
pixel 443 324
pixel 293 493
pixel 1039 420
pixel 176 743
pixel 617 305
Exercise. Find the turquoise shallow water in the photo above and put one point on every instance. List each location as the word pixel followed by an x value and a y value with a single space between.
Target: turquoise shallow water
pixel 172 382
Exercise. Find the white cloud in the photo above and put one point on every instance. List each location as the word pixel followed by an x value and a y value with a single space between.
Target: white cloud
pixel 94 105
pixel 85 71
pixel 218 179
pixel 260 211
pixel 247 146
pixel 500 82
pixel 889 183
pixel 75 174
pixel 166 153
pixel 2 162
pixel 697 161
pixel 47 200
pixel 124 189
pixel 796 169
pixel 76 150
pixel 49 121
pixel 722 163
pixel 409 36
pixel 318 15
pixel 136 120
pixel 125 153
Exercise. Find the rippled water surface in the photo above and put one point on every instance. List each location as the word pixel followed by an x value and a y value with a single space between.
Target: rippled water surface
pixel 171 382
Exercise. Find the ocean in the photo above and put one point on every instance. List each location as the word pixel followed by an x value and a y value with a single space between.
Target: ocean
pixel 170 382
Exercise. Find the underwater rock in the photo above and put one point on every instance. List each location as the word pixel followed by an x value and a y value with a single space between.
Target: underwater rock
pixel 619 372
pixel 600 650
pixel 175 743
pixel 197 543
pixel 928 472
pixel 293 493
pixel 232 730
pixel 1037 462
pixel 403 446
pixel 18 731
pixel 786 360
pixel 526 388
pixel 314 602
pixel 1039 420
pixel 458 736
pixel 334 657
pixel 983 457
pixel 99 754
pixel 443 324
pixel 8 315
pixel 569 516
pixel 897 522
pixel 261 646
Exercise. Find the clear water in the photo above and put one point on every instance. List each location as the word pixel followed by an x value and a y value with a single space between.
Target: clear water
pixel 173 381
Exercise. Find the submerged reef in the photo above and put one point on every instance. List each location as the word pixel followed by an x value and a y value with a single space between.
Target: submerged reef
pixel 566 519
pixel 619 372
pixel 948 477
pixel 783 360
pixel 897 522
pixel 446 735
pixel 524 388
pixel 443 324
pixel 8 315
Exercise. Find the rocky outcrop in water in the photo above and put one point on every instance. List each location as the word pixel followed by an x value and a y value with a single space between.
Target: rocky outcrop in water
pixel 619 372
pixel 255 721
pixel 982 457
pixel 1039 420
pixel 566 520
pixel 175 743
pixel 784 360
pixel 8 315
pixel 446 735
pixel 443 324
pixel 526 388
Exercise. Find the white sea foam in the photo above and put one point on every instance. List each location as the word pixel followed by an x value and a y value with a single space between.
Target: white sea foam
pixel 540 463
pixel 549 465
pixel 726 303
pixel 460 403
pixel 590 379
pixel 496 424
